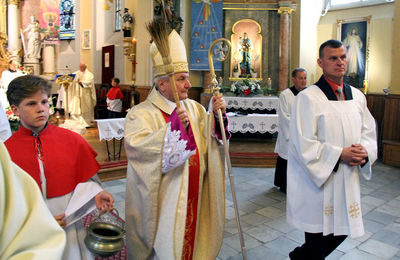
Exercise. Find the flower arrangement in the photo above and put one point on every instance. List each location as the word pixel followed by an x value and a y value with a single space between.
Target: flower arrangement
pixel 13 120
pixel 245 87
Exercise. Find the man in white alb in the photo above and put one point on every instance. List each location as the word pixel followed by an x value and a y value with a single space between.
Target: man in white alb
pixel 332 142
pixel 286 99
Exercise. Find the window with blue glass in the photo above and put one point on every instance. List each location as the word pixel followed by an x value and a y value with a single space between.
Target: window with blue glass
pixel 67 20
pixel 117 15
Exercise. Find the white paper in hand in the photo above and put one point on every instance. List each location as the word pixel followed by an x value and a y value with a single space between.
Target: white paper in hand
pixel 81 201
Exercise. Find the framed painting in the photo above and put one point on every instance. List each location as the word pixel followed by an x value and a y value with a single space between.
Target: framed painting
pixel 86 40
pixel 354 33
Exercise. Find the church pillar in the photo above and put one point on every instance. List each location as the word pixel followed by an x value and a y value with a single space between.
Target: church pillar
pixel 14 44
pixel 48 61
pixel 284 11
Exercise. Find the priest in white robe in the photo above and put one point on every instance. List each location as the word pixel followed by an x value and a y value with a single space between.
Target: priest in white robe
pixel 6 77
pixel 27 228
pixel 332 142
pixel 286 100
pixel 175 195
pixel 82 96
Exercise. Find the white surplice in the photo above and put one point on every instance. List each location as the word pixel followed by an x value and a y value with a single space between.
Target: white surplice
pixel 319 199
pixel 286 99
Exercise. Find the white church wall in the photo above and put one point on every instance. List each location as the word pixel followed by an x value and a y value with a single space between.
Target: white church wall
pixel 310 13
pixel 105 35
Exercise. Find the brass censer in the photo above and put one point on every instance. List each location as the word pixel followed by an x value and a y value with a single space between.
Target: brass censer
pixel 104 239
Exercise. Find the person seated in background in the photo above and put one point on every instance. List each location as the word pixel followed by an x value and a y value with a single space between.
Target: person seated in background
pixel 114 99
pixel 27 228
pixel 60 161
pixel 286 100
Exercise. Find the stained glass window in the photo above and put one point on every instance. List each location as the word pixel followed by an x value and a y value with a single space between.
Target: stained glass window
pixel 67 19
pixel 117 15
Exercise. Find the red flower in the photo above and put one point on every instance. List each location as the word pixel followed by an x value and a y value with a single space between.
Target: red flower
pixel 246 92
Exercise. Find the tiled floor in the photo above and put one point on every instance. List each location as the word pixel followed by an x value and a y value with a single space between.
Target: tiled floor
pixel 268 236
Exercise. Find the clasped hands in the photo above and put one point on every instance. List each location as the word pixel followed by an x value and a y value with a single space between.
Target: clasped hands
pixel 354 155
pixel 104 202
pixel 218 102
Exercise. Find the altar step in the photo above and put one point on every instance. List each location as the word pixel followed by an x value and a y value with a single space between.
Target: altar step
pixel 257 160
pixel 112 170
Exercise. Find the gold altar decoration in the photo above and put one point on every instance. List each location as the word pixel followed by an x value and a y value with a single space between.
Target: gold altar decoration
pixel 130 52
pixel 4 57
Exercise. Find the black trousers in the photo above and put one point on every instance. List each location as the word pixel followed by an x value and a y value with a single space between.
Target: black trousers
pixel 280 179
pixel 316 247
pixel 113 114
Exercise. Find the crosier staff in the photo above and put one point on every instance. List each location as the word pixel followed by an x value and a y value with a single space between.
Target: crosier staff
pixel 215 89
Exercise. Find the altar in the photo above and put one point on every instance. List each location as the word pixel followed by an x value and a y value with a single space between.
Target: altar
pixel 258 104
pixel 253 123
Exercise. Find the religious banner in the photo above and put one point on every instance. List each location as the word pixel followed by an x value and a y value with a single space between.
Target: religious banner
pixel 50 21
pixel 206 19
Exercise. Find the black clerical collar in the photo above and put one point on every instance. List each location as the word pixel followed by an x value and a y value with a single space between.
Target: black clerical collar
pixel 10 70
pixel 294 90
pixel 328 91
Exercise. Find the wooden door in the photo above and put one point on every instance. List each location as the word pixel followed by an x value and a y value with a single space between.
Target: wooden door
pixel 107 64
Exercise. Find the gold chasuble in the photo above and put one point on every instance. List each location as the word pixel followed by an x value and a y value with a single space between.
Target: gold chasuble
pixel 189 222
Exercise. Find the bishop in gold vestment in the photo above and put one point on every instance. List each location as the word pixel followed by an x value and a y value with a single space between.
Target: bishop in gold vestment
pixel 175 194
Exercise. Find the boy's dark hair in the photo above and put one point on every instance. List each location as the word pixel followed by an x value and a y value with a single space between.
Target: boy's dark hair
pixel 329 43
pixel 26 86
pixel 116 80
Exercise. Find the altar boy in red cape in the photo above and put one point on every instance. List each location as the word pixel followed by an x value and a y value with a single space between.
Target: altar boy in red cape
pixel 60 161
pixel 114 99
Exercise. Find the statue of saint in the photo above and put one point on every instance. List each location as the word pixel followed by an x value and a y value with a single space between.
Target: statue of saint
pixel 127 23
pixel 245 46
pixel 33 46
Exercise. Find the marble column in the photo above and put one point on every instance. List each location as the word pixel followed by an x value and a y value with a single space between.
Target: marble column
pixel 49 61
pixel 14 44
pixel 284 47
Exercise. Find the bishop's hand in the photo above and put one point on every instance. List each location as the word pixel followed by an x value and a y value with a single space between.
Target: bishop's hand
pixel 183 116
pixel 218 102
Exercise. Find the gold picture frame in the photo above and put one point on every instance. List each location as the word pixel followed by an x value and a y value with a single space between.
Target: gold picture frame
pixel 355 35
pixel 241 29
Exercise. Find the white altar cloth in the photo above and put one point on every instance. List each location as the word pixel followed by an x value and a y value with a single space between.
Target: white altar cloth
pixel 111 128
pixel 252 123
pixel 252 103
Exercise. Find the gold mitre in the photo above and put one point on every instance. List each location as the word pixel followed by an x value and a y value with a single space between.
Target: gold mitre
pixel 177 51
